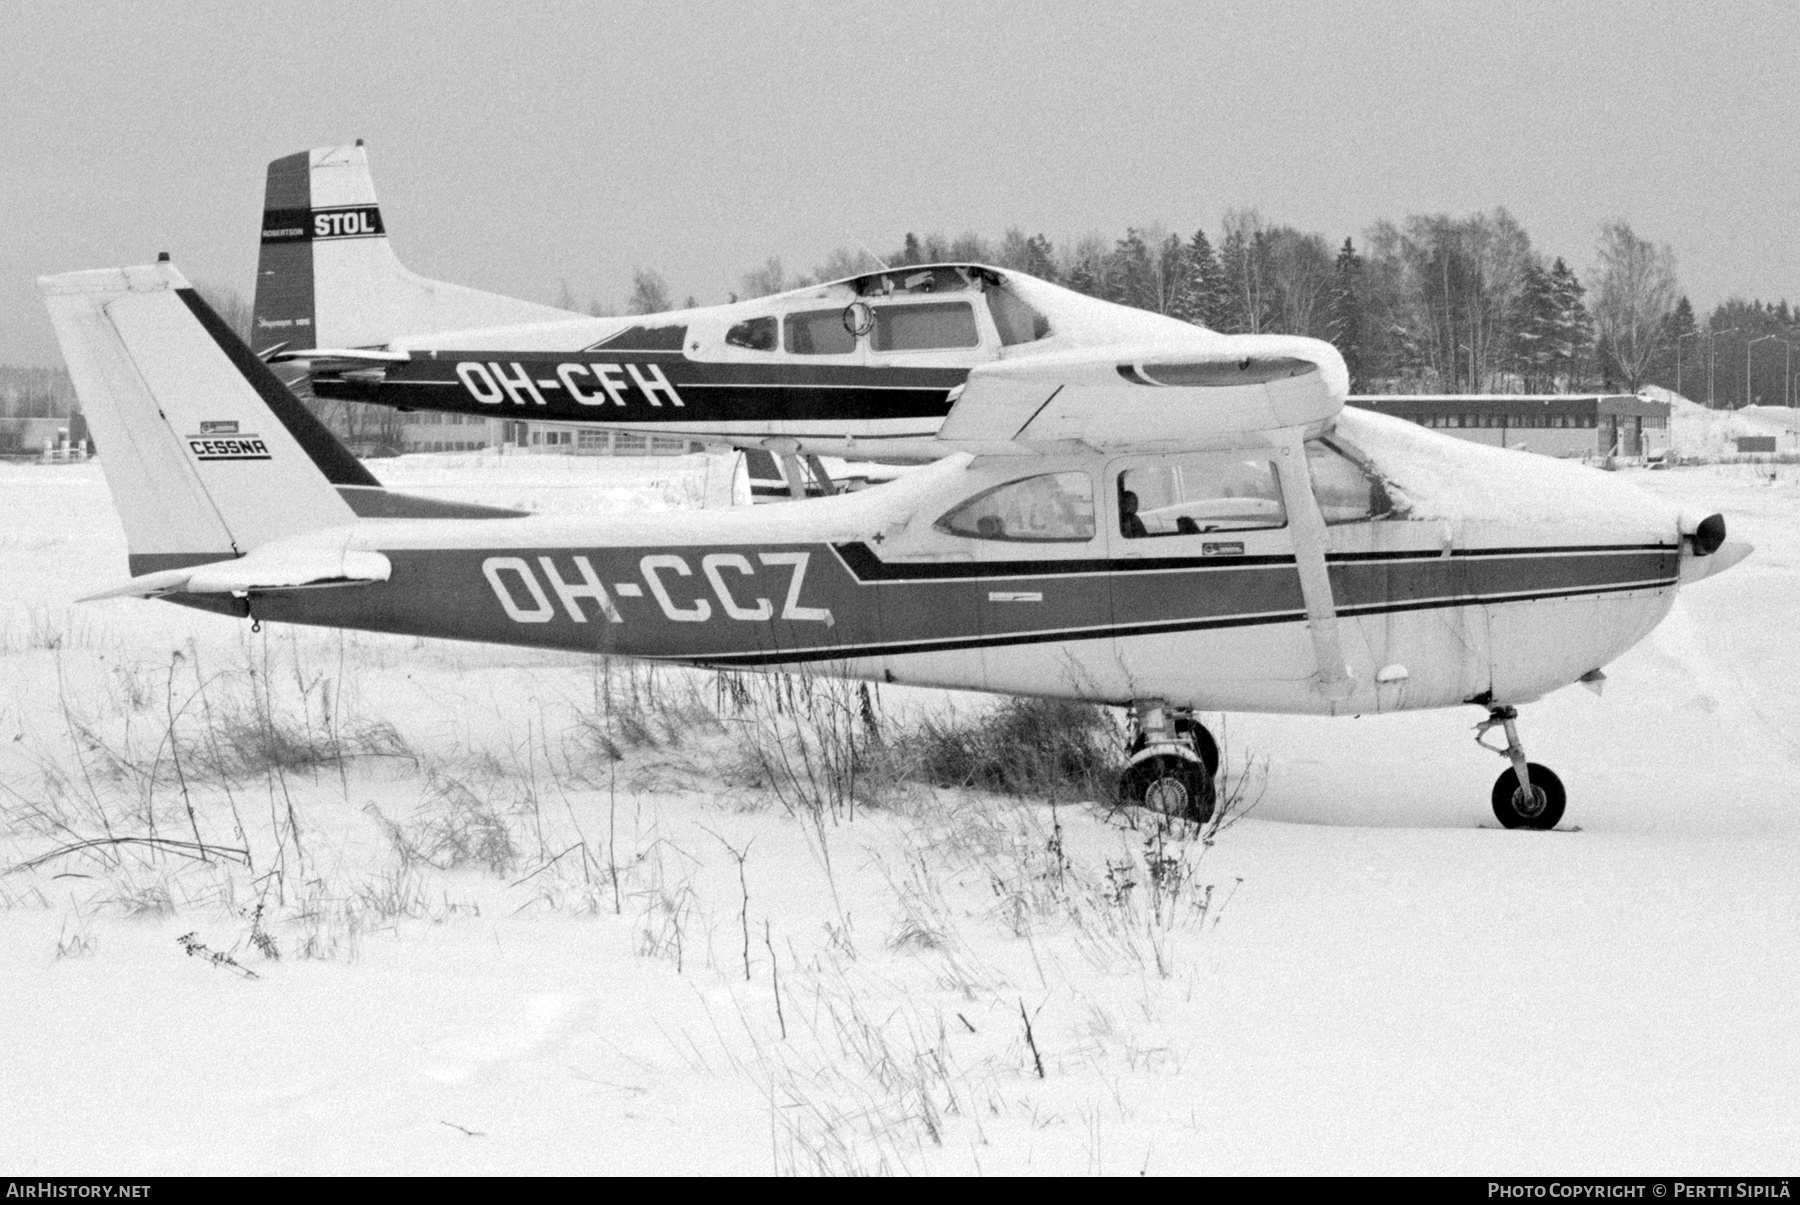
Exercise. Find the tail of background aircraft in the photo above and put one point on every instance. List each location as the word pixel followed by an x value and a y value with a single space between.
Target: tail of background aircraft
pixel 327 277
pixel 206 454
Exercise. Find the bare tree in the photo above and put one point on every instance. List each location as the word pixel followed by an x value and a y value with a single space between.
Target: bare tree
pixel 1242 257
pixel 1085 266
pixel 228 304
pixel 971 248
pixel 1451 286
pixel 846 261
pixel 760 282
pixel 649 293
pixel 1634 294
pixel 1300 268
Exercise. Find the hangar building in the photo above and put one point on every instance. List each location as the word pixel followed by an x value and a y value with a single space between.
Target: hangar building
pixel 1561 424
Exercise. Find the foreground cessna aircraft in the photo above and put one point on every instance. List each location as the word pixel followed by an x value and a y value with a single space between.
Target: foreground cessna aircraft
pixel 862 368
pixel 1151 527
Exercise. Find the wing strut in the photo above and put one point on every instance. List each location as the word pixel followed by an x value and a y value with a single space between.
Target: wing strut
pixel 1307 524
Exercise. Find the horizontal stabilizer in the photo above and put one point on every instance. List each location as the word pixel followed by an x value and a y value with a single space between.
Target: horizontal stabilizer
pixel 266 569
pixel 349 355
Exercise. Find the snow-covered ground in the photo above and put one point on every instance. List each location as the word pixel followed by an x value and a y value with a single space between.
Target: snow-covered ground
pixel 503 951
pixel 1696 431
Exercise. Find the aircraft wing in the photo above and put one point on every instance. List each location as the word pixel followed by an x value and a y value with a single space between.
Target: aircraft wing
pixel 268 568
pixel 1147 397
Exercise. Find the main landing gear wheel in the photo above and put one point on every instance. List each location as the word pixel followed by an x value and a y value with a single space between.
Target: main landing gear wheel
pixel 1542 808
pixel 1170 785
pixel 1516 805
pixel 1173 763
pixel 1191 732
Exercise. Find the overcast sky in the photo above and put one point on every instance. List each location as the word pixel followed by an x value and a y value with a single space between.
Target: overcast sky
pixel 517 145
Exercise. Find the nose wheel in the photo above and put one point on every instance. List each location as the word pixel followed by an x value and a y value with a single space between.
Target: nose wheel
pixel 1526 795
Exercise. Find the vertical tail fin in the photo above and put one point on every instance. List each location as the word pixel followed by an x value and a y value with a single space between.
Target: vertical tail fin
pixel 327 277
pixel 206 454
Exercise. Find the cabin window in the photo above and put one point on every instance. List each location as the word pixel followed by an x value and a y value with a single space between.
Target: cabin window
pixel 819 333
pixel 925 327
pixel 645 338
pixel 1191 495
pixel 1345 491
pixel 757 334
pixel 1050 508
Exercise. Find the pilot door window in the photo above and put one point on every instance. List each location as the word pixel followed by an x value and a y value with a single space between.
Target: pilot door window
pixel 1193 495
pixel 1052 508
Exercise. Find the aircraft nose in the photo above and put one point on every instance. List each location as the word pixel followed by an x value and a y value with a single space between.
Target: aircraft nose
pixel 1708 550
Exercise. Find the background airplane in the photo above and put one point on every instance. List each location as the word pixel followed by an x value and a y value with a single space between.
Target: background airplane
pixel 1169 531
pixel 863 368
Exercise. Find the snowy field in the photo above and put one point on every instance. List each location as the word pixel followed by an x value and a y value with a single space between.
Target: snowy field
pixel 503 949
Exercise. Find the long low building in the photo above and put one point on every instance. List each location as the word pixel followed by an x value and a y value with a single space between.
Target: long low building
pixel 1557 424
pixel 36 436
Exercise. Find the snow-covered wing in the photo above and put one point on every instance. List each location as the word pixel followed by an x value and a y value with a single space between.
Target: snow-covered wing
pixel 1162 395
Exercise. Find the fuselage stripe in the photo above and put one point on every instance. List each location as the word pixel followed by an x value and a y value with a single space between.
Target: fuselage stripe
pixel 865 566
pixel 955 644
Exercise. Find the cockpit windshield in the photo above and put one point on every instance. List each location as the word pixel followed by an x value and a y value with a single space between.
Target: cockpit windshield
pixel 1346 493
pixel 1016 321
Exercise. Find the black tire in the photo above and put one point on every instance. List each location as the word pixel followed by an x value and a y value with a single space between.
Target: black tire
pixel 1170 785
pixel 1544 811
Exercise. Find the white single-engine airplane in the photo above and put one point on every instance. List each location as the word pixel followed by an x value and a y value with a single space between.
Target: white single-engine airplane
pixel 864 368
pixel 1153 527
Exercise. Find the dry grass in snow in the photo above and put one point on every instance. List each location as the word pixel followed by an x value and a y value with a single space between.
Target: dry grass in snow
pixel 304 902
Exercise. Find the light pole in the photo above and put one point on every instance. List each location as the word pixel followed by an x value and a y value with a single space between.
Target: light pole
pixel 1712 362
pixel 1678 339
pixel 1752 343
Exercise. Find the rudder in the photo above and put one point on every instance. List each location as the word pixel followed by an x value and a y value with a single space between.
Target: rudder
pixel 206 454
